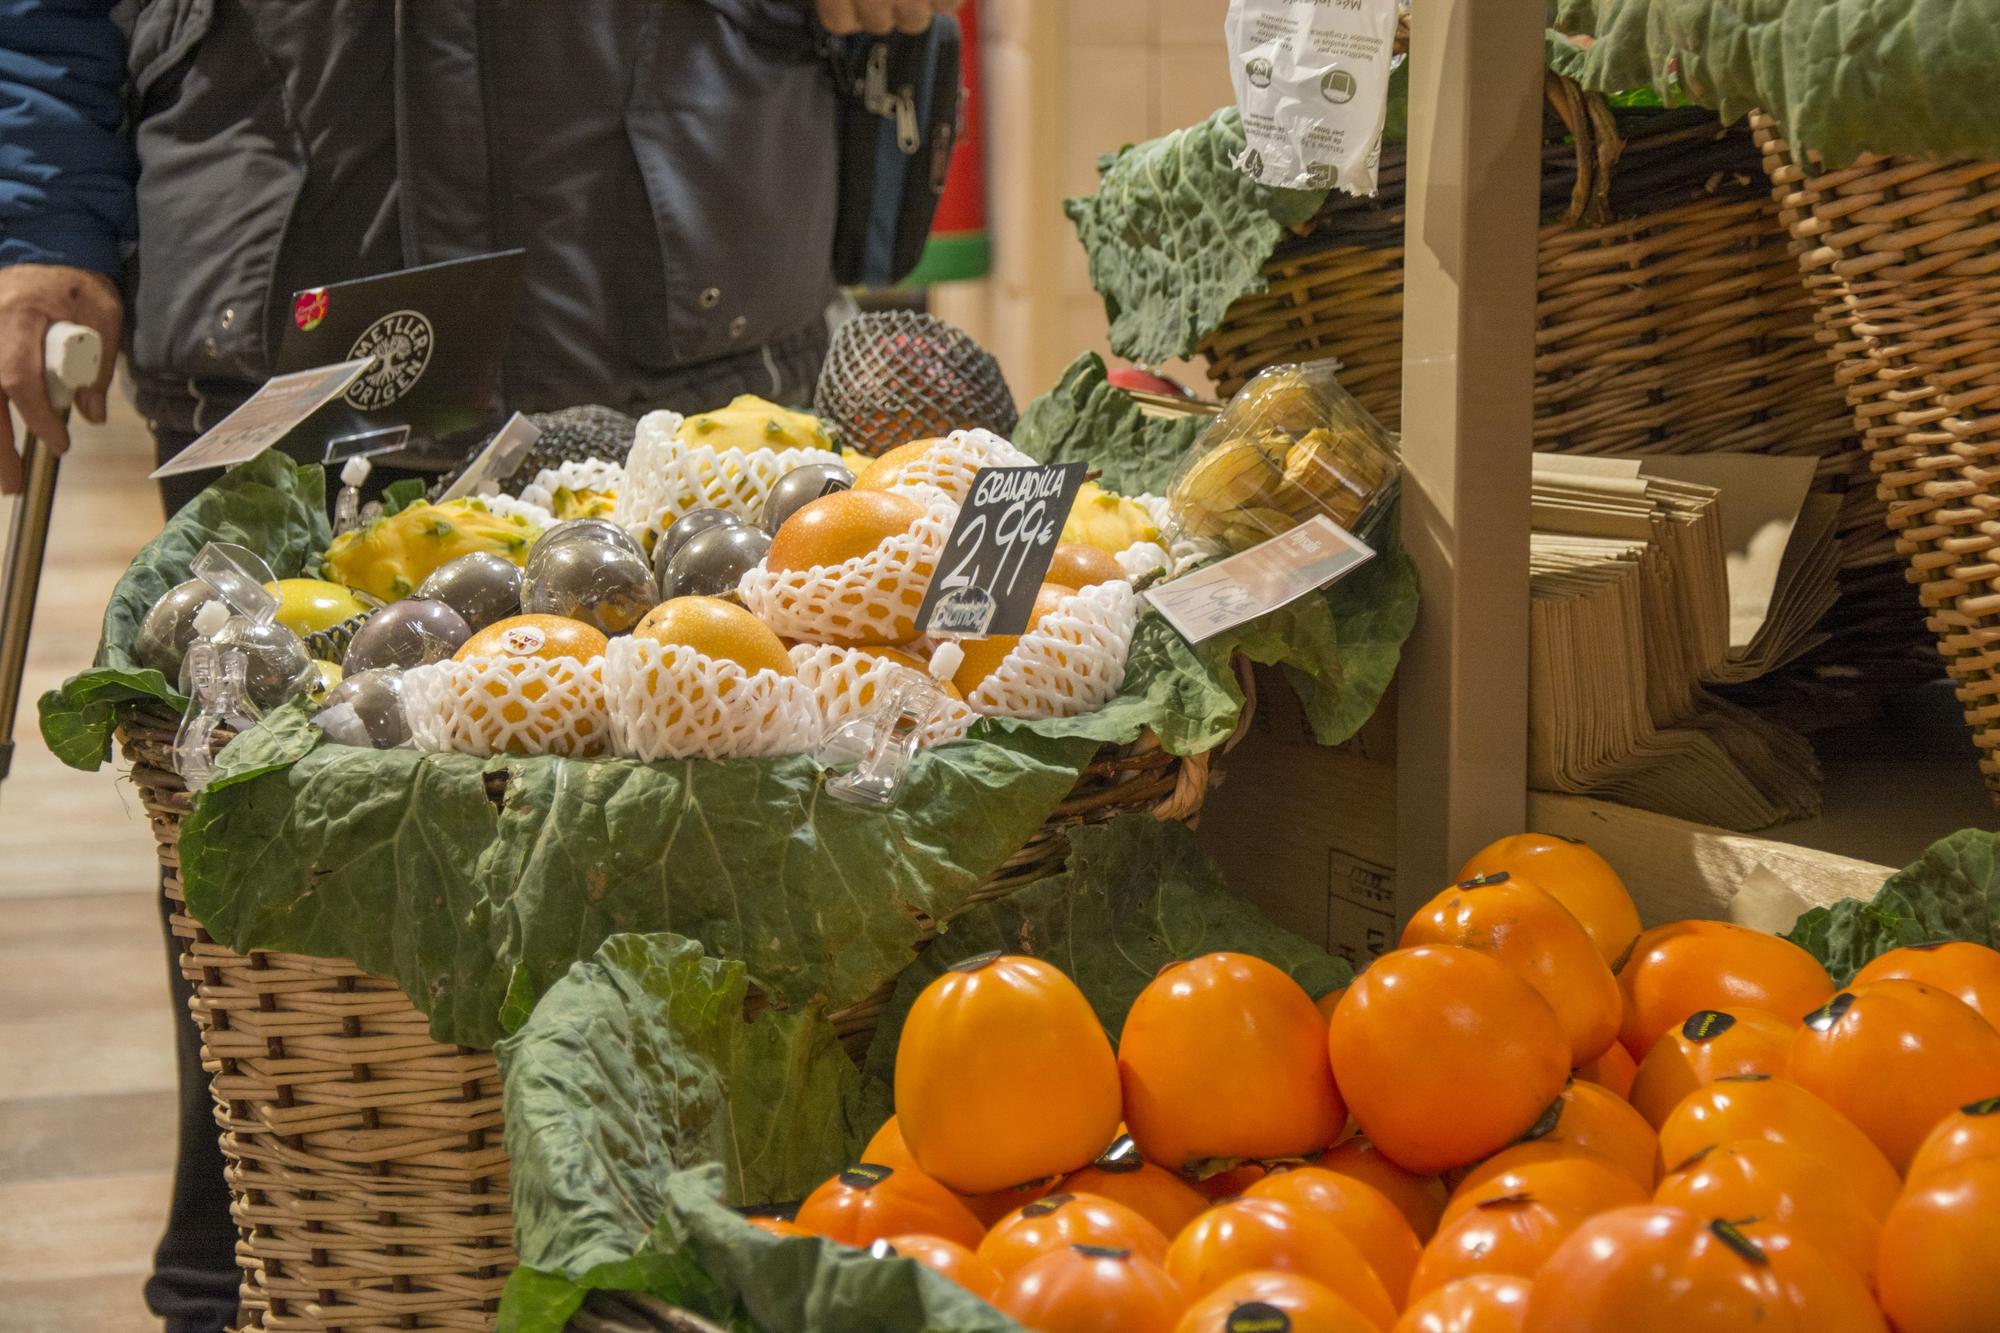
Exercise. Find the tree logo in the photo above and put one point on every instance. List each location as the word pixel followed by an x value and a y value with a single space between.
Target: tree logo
pixel 401 344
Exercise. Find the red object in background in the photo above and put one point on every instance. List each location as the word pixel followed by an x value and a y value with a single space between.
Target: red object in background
pixel 958 244
pixel 1134 380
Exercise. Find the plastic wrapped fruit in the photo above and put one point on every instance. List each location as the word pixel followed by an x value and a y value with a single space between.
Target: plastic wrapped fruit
pixel 590 529
pixel 750 422
pixel 366 708
pixel 389 557
pixel 406 634
pixel 684 529
pixel 800 487
pixel 712 562
pixel 585 578
pixel 1292 445
pixel 168 629
pixel 309 606
pixel 480 586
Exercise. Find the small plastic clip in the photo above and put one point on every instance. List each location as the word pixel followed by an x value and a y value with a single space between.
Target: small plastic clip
pixel 347 514
pixel 240 578
pixel 881 742
pixel 221 703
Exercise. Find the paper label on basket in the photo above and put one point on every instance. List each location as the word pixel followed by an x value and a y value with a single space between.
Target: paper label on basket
pixel 271 413
pixel 1312 83
pixel 497 461
pixel 999 551
pixel 1258 581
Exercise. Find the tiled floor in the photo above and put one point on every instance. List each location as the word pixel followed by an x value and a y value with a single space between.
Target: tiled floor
pixel 86 1056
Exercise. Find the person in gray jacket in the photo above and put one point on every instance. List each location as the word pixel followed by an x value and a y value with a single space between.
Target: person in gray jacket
pixel 184 166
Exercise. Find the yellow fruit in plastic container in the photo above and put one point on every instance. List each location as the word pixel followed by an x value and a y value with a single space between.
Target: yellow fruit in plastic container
pixel 984 656
pixel 1107 521
pixel 750 422
pixel 389 557
pixel 883 472
pixel 721 630
pixel 307 606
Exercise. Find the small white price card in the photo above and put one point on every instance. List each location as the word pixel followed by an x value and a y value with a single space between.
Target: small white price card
pixel 497 461
pixel 270 414
pixel 1258 581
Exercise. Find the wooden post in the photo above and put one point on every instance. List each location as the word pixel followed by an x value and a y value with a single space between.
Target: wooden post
pixel 1468 380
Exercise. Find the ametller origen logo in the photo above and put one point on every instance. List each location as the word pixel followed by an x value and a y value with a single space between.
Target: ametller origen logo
pixel 401 344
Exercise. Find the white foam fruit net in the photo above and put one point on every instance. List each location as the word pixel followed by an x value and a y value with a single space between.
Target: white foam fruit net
pixel 666 477
pixel 846 684
pixel 948 466
pixel 1073 662
pixel 674 702
pixel 600 475
pixel 508 705
pixel 506 506
pixel 871 598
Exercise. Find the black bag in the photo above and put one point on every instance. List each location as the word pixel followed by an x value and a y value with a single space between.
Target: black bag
pixel 901 110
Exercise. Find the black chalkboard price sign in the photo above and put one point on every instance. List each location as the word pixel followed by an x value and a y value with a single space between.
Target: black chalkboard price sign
pixel 999 551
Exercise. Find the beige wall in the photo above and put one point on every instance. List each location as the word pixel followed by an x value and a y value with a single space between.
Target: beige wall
pixel 1067 80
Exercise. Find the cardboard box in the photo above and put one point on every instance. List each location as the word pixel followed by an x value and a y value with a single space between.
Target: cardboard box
pixel 1308 833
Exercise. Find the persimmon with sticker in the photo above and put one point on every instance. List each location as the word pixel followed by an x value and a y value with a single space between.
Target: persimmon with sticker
pixel 1970 1133
pixel 1512 1235
pixel 1781 1183
pixel 1419 1198
pixel 1686 966
pixel 1092 1289
pixel 947 1258
pixel 1445 1055
pixel 1481 1303
pixel 1896 1057
pixel 1248 1235
pixel 1577 876
pixel 1963 968
pixel 1362 1212
pixel 1654 1269
pixel 1512 919
pixel 1592 1119
pixel 1935 1271
pixel 1755 1106
pixel 1828 1293
pixel 1056 1220
pixel 1705 1046
pixel 1611 1069
pixel 1278 1302
pixel 1148 1189
pixel 1557 1173
pixel 868 1201
pixel 1224 1056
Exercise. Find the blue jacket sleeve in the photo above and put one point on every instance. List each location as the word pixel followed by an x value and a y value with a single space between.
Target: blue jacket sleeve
pixel 66 165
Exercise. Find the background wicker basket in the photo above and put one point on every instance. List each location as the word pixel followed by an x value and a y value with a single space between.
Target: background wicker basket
pixel 366 1170
pixel 1901 259
pixel 1668 318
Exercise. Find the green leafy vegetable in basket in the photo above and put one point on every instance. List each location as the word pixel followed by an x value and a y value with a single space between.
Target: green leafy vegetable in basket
pixel 1087 419
pixel 1952 892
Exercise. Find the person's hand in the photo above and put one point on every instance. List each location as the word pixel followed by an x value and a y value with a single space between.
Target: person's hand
pixel 841 17
pixel 32 297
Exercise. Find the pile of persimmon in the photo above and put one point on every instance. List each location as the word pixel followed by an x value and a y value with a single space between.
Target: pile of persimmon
pixel 1532 1117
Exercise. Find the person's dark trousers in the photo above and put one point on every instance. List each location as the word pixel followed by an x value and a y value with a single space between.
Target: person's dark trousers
pixel 194 1283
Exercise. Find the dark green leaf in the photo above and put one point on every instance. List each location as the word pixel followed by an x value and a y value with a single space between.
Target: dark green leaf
pixel 1844 77
pixel 639 1063
pixel 1087 419
pixel 271 505
pixel 706 1259
pixel 1175 233
pixel 1953 892
pixel 1370 613
pixel 476 883
pixel 400 495
pixel 1135 895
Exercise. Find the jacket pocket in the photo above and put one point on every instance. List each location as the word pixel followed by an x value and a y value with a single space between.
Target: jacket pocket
pixel 735 141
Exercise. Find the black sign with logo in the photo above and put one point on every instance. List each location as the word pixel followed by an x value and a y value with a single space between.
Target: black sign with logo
pixel 999 551
pixel 436 334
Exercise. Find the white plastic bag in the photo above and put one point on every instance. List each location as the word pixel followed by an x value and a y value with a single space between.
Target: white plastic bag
pixel 1312 82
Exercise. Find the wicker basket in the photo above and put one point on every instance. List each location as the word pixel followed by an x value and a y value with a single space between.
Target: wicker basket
pixel 1669 318
pixel 366 1170
pixel 1901 259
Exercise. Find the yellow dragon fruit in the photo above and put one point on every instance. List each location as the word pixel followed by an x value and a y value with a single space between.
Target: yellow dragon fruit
pixel 389 557
pixel 1107 520
pixel 749 422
